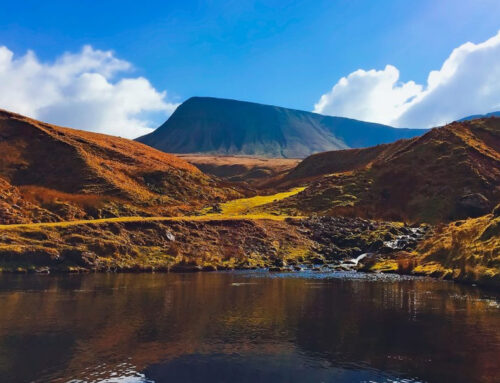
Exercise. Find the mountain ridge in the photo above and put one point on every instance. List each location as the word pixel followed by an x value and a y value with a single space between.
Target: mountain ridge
pixel 477 116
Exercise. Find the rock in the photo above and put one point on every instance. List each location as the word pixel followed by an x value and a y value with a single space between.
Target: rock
pixel 474 205
pixel 278 262
pixel 376 245
pixel 317 261
pixel 388 236
pixel 169 236
pixel 394 231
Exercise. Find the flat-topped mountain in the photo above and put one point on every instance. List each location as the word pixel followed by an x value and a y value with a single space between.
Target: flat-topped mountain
pixel 229 127
pixel 49 173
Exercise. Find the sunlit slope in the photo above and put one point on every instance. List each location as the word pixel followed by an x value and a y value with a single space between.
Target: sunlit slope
pixel 243 208
pixel 49 173
pixel 450 173
pixel 467 251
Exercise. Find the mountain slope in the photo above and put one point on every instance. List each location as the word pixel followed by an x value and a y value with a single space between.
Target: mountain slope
pixel 230 127
pixel 466 250
pixel 476 116
pixel 51 173
pixel 449 173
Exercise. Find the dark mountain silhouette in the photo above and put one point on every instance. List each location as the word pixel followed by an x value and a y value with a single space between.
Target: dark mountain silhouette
pixel 230 127
pixel 476 116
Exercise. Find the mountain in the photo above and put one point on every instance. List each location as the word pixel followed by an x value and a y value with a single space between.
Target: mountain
pixel 230 127
pixel 49 173
pixel 449 173
pixel 476 116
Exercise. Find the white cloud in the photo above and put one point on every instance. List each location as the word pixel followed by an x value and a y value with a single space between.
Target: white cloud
pixel 467 83
pixel 80 90
pixel 369 95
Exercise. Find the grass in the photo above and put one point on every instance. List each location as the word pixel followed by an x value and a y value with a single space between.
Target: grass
pixel 232 210
pixel 245 205
pixel 467 250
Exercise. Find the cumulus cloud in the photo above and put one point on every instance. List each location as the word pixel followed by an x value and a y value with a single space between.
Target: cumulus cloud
pixel 81 90
pixel 467 83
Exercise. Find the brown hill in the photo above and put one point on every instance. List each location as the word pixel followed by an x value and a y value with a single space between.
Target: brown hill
pixel 449 173
pixel 49 173
pixel 253 170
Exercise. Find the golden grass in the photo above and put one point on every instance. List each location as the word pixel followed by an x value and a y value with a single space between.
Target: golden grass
pixel 469 249
pixel 466 250
pixel 208 217
pixel 38 194
pixel 244 206
pixel 233 210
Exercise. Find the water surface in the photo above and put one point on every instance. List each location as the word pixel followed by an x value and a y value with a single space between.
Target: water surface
pixel 245 327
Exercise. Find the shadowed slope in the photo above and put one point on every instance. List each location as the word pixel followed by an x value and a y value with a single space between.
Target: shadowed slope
pixel 229 127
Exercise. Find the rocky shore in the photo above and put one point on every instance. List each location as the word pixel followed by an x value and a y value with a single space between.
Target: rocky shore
pixel 202 245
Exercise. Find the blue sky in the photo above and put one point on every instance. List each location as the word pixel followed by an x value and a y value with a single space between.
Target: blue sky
pixel 286 53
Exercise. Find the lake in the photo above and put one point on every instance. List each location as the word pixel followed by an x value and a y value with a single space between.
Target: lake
pixel 246 327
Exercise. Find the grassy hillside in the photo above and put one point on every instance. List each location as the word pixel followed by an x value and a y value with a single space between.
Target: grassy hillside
pixel 241 168
pixel 449 173
pixel 229 127
pixel 466 250
pixel 49 173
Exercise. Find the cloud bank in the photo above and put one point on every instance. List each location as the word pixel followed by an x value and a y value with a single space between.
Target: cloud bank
pixel 467 83
pixel 81 90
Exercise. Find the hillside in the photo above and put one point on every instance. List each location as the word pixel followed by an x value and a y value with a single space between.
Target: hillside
pixel 230 127
pixel 447 174
pixel 241 168
pixel 49 173
pixel 465 250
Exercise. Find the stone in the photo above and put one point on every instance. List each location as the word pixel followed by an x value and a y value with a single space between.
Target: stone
pixel 474 205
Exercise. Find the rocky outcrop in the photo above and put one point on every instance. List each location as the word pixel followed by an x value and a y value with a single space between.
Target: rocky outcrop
pixel 474 205
pixel 340 238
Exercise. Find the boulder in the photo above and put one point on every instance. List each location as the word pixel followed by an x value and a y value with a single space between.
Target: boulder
pixel 474 205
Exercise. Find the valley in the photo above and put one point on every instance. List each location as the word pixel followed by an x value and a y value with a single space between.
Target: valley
pixel 122 206
pixel 250 191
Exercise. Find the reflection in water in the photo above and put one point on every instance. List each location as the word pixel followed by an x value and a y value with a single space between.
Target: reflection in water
pixel 245 327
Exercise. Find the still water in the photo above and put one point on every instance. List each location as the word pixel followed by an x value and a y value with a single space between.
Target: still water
pixel 246 327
